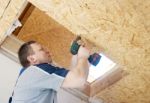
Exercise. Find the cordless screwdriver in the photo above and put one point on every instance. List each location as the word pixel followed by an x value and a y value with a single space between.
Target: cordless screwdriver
pixel 93 59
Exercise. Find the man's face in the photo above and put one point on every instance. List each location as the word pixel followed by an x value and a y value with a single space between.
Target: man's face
pixel 41 54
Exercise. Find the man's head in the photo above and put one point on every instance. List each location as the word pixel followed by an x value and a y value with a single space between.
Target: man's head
pixel 31 53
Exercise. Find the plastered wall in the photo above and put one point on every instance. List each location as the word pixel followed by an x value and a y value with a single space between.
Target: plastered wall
pixel 8 75
pixel 121 28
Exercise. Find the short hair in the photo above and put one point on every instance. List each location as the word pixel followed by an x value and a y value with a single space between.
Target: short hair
pixel 24 51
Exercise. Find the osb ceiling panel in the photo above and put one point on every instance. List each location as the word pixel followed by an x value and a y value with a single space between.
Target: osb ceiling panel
pixel 45 30
pixel 9 10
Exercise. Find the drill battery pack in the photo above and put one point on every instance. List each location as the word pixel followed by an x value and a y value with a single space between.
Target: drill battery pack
pixel 94 59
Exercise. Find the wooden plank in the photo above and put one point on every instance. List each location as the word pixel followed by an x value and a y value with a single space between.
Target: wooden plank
pixel 11 45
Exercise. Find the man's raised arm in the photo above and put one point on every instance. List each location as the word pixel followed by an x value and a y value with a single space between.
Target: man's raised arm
pixel 77 76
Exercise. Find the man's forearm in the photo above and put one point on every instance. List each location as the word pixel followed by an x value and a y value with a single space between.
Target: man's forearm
pixel 77 76
pixel 83 67
pixel 74 61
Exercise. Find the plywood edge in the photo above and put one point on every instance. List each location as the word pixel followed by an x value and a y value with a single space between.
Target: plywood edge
pixel 11 45
pixel 108 79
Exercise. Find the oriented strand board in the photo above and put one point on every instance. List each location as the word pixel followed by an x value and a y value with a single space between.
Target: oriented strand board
pixel 55 37
pixel 9 11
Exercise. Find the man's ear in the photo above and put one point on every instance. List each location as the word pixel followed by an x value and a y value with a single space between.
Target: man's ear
pixel 31 59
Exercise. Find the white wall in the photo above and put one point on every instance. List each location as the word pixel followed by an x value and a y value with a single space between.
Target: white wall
pixel 9 71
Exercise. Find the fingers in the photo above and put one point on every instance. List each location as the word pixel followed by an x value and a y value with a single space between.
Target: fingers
pixel 80 42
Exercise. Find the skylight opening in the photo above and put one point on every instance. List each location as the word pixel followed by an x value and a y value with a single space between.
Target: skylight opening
pixel 104 66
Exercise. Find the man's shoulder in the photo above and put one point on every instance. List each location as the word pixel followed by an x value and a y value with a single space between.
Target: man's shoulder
pixel 53 69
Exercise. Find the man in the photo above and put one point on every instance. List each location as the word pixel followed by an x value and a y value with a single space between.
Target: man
pixel 40 80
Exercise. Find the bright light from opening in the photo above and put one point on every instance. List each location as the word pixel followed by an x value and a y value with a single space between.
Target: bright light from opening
pixel 104 66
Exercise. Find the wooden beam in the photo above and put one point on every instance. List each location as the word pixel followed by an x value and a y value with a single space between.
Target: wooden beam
pixel 11 45
pixel 24 16
pixel 110 78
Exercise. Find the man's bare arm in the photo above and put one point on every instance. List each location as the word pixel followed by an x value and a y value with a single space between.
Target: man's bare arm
pixel 77 77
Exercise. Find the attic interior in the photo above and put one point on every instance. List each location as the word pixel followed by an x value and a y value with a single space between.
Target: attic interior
pixel 38 26
pixel 118 28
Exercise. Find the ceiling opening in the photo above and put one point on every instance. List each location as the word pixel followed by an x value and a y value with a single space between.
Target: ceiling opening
pixel 104 66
